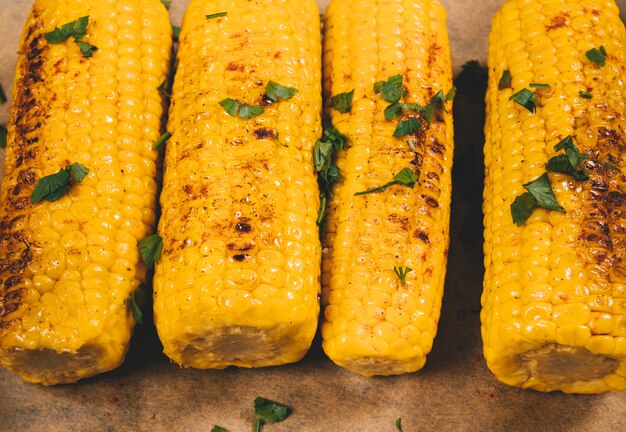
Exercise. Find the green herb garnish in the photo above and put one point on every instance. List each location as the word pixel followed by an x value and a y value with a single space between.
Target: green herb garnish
pixel 162 88
pixel 568 163
pixel 150 249
pixel 327 172
pixel 175 33
pixel 539 85
pixel 437 102
pixel 342 102
pixel 3 136
pixel 217 428
pixel 136 311
pixel 598 56
pixel 75 29
pixel 216 15
pixel 166 3
pixel 275 91
pixel 268 411
pixel 505 80
pixel 55 186
pixel 390 90
pixel 162 140
pixel 233 108
pixel 3 96
pixel 399 425
pixel 526 98
pixel 407 127
pixel 405 177
pixel 585 94
pixel 540 194
pixel 401 272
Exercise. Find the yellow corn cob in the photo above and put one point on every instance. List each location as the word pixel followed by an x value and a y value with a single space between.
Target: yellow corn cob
pixel 67 268
pixel 554 302
pixel 375 325
pixel 238 280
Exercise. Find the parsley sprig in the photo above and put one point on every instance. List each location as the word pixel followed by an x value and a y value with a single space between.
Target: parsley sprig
pixel 150 249
pixel 323 159
pixel 75 29
pixel 342 102
pixel 274 92
pixel 55 186
pixel 597 55
pixel 269 411
pixel 539 192
pixel 402 272
pixel 216 15
pixel 406 177
pixel 568 163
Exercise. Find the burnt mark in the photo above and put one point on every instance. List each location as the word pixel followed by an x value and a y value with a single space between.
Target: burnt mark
pixel 240 246
pixel 243 227
pixel 421 235
pixel 434 52
pixel 235 67
pixel 430 201
pixel 241 257
pixel 265 100
pixel 558 21
pixel 264 133
pixel 402 221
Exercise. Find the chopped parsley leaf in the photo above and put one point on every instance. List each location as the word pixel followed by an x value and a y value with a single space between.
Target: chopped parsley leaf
pixel 390 90
pixel 405 177
pixel 216 15
pixel 342 102
pixel 233 108
pixel 150 249
pixel 505 80
pixel 401 272
pixel 526 98
pixel 597 56
pixel 275 91
pixel 55 186
pixel 162 140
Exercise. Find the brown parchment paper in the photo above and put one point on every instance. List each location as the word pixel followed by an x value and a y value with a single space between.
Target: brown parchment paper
pixel 454 392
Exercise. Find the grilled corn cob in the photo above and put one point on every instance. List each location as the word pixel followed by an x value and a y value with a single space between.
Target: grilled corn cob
pixel 377 323
pixel 68 267
pixel 554 302
pixel 238 280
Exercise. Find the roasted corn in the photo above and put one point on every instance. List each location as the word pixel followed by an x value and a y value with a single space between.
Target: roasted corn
pixel 385 251
pixel 238 280
pixel 554 301
pixel 86 96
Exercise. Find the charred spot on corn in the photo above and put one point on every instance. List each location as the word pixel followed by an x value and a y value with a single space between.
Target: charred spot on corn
pixel 150 249
pixel 55 186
